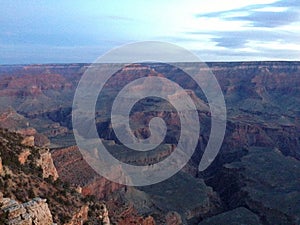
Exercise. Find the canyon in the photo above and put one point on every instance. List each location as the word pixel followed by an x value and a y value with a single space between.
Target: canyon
pixel 253 180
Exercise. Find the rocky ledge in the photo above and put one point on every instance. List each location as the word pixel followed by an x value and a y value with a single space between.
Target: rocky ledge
pixel 33 212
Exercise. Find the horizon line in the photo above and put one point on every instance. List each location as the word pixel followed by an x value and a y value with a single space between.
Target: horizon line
pixel 88 63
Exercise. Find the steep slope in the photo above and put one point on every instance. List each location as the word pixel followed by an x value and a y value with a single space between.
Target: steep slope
pixel 31 192
pixel 156 200
pixel 264 181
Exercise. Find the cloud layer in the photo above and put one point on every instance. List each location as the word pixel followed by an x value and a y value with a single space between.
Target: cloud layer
pixel 80 31
pixel 267 30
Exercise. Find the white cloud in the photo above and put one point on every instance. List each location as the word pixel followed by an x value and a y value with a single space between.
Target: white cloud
pixel 204 6
pixel 271 9
pixel 273 45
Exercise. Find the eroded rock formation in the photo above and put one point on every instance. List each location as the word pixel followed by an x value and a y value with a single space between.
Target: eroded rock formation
pixel 46 163
pixel 34 212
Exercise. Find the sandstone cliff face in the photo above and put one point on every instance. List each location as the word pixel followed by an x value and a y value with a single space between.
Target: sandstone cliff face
pixel 46 163
pixel 39 211
pixel 34 212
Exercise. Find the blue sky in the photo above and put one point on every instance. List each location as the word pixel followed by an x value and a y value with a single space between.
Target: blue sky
pixel 37 31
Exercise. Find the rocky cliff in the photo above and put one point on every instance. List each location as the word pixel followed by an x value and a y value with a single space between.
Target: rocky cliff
pixel 33 193
pixel 33 212
pixel 46 163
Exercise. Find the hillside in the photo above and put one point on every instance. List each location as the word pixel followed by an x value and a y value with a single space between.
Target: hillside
pixel 28 196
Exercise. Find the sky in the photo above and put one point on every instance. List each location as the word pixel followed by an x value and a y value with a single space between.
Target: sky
pixel 55 31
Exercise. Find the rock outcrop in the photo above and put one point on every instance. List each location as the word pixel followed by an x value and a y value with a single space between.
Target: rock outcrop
pixel 34 212
pixel 46 163
pixel 23 156
pixel 39 211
